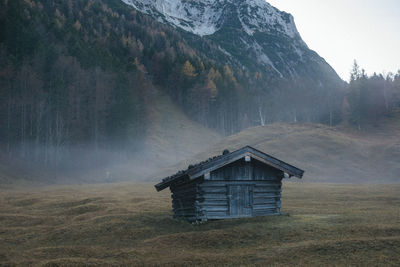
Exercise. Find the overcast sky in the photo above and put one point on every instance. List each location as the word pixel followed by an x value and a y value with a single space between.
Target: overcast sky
pixel 343 30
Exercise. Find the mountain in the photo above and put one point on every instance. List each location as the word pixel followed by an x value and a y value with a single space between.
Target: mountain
pixel 209 16
pixel 251 33
pixel 84 77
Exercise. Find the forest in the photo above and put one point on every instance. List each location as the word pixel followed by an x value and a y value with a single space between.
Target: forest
pixel 369 98
pixel 82 75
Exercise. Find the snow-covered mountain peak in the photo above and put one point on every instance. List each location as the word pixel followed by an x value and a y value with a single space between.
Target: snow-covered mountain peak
pixel 205 17
pixel 250 34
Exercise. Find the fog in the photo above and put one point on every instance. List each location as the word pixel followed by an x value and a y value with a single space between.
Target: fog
pixel 146 159
pixel 80 164
pixel 327 154
pixel 61 144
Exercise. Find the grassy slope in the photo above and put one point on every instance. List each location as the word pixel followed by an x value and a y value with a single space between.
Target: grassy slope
pixel 131 224
pixel 326 153
pixel 171 138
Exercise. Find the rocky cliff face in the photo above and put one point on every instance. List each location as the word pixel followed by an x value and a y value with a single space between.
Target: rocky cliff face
pixel 251 33
pixel 91 72
pixel 95 73
pixel 207 16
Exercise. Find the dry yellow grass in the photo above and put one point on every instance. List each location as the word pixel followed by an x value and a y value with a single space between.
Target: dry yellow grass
pixel 327 154
pixel 131 224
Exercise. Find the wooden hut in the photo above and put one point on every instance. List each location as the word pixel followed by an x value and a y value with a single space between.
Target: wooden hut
pixel 244 183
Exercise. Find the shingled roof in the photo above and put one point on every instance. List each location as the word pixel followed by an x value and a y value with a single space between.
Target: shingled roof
pixel 196 171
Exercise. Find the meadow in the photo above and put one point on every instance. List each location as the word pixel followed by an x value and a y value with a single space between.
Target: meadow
pixel 131 224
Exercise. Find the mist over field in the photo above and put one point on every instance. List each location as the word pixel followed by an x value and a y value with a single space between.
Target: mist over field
pixel 220 103
pixel 144 96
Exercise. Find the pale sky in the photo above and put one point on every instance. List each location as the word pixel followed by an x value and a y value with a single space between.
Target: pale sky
pixel 343 30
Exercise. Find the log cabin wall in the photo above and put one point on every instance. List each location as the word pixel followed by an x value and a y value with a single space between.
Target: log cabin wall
pixel 237 199
pixel 241 171
pixel 184 197
pixel 243 183
pixel 237 190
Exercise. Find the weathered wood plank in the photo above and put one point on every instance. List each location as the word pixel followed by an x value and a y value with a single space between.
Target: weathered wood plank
pixel 184 186
pixel 213 202
pixel 188 198
pixel 184 210
pixel 269 196
pixel 262 201
pixel 241 153
pixel 213 208
pixel 229 182
pixel 182 202
pixel 208 167
pixel 177 207
pixel 264 207
pixel 214 196
pixel 264 167
pixel 221 189
pixel 235 197
pixel 176 196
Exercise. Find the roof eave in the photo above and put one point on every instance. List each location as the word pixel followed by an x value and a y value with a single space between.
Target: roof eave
pixel 269 160
pixel 164 184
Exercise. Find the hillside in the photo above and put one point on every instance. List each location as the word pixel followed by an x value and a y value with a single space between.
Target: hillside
pixel 81 74
pixel 171 138
pixel 114 92
pixel 327 154
pixel 251 33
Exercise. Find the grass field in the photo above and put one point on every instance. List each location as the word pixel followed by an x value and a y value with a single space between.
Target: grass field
pixel 327 154
pixel 328 224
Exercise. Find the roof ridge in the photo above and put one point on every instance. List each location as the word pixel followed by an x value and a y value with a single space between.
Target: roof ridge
pixel 191 169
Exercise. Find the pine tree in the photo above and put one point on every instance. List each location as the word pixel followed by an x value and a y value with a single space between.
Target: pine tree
pixel 355 96
pixel 355 73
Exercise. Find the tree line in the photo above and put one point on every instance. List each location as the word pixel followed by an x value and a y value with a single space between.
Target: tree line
pixel 82 75
pixel 370 98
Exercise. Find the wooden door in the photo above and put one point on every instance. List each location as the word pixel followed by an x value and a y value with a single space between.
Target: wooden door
pixel 240 200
